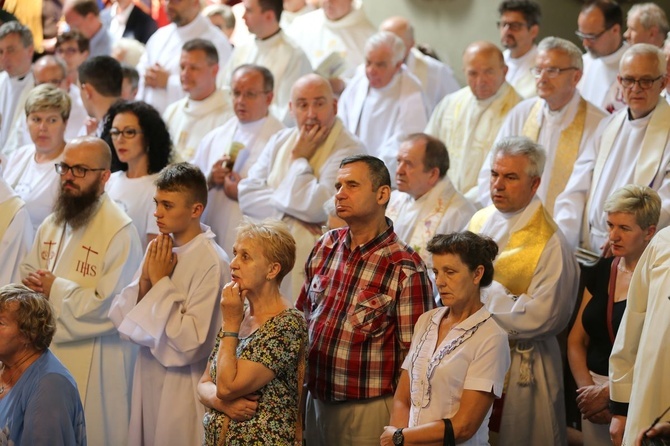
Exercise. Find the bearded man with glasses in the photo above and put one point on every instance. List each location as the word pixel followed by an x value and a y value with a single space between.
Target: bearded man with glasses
pixel 559 119
pixel 84 253
pixel 632 147
pixel 599 27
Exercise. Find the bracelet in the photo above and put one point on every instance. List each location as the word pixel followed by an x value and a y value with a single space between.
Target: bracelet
pixel 230 334
pixel 449 438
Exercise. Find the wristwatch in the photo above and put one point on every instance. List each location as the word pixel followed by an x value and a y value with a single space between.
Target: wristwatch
pixel 398 438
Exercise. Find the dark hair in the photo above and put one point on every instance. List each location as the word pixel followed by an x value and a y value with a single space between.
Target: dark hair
pixel 379 174
pixel 473 249
pixel 155 132
pixel 33 313
pixel 436 154
pixel 530 10
pixel 104 74
pixel 205 46
pixel 82 41
pixel 15 27
pixel 129 72
pixel 184 177
pixel 268 78
pixel 276 6
pixel 610 9
pixel 86 7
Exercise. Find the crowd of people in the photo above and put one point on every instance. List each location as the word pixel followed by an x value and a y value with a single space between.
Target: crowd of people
pixel 273 223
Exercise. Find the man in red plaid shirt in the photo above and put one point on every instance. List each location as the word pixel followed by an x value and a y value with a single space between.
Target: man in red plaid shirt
pixel 365 290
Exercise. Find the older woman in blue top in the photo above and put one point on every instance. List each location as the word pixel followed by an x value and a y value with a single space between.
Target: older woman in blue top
pixel 39 401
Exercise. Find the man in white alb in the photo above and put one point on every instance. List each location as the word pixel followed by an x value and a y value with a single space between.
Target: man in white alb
pixel 426 202
pixel 84 254
pixel 227 153
pixel 333 37
pixel 560 120
pixel 273 49
pixel 532 296
pixel 159 70
pixel 646 23
pixel 171 310
pixel 16 53
pixel 16 233
pixel 205 108
pixel 631 147
pixel 383 102
pixel 293 9
pixel 436 78
pixel 468 121
pixel 600 23
pixel 296 171
pixel 519 26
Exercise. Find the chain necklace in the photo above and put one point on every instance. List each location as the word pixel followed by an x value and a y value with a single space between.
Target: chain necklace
pixel 15 367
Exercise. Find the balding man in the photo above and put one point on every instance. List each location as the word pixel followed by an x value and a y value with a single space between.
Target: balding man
pixel 600 23
pixel 16 54
pixel 205 108
pixel 384 102
pixel 227 153
pixel 436 78
pixel 631 147
pixel 646 23
pixel 467 121
pixel 84 254
pixel 426 202
pixel 296 171
pixel 560 119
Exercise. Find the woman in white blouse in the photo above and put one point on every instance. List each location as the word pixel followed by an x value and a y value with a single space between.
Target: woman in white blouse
pixel 458 358
pixel 30 169
pixel 142 147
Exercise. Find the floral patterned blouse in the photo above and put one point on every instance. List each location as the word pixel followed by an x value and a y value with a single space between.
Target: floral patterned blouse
pixel 276 345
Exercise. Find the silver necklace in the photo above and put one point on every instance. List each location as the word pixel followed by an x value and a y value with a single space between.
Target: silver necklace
pixel 4 386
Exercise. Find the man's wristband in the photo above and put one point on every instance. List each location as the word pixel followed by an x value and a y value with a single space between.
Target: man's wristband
pixel 618 408
pixel 230 334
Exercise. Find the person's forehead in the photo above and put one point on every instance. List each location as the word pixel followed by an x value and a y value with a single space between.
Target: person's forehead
pixel 357 171
pixel 513 16
pixel 552 55
pixel 247 78
pixel 84 154
pixel 11 39
pixel 641 64
pixel 482 59
pixel 511 163
pixel 413 149
pixel 382 52
pixel 174 196
pixel 311 91
pixel 43 71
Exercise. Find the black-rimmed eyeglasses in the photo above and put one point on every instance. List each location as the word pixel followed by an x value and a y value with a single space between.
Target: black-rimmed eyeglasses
pixel 77 171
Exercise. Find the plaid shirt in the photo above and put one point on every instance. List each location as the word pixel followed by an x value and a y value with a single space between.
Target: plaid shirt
pixel 361 306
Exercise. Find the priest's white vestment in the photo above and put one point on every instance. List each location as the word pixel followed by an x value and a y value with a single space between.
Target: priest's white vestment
pixel 16 234
pixel 436 78
pixel 599 84
pixel 518 72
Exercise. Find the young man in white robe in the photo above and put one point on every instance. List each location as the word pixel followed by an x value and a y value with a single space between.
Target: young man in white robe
pixel 436 78
pixel 426 202
pixel 16 233
pixel 16 79
pixel 205 108
pixel 599 27
pixel 519 26
pixel 333 37
pixel 292 10
pixel 384 102
pixel 227 153
pixel 639 389
pixel 159 68
pixel 296 171
pixel 84 254
pixel 532 295
pixel 468 121
pixel 630 147
pixel 171 311
pixel 273 49
pixel 559 119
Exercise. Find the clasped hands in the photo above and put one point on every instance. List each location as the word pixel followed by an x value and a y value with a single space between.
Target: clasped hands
pixel 160 261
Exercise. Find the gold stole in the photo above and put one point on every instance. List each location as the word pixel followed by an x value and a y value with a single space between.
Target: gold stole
pixel 566 152
pixel 282 160
pixel 516 264
pixel 9 209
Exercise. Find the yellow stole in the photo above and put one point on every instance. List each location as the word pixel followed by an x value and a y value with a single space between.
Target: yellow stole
pixel 516 264
pixel 282 160
pixel 566 152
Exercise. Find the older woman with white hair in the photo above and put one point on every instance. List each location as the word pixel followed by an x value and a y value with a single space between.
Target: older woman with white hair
pixel 30 169
pixel 253 381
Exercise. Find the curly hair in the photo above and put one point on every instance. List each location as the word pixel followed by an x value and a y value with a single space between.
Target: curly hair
pixel 33 314
pixel 155 132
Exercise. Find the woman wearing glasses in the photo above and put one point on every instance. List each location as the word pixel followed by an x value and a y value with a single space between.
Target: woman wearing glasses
pixel 632 215
pixel 30 169
pixel 142 147
pixel 458 358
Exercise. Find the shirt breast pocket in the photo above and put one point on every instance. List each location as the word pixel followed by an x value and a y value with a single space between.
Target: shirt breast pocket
pixel 370 315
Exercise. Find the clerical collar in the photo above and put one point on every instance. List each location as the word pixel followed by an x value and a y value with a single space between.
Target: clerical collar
pixel 270 36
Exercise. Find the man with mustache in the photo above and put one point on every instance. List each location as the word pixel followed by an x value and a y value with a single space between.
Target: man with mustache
pixel 296 171
pixel 84 254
